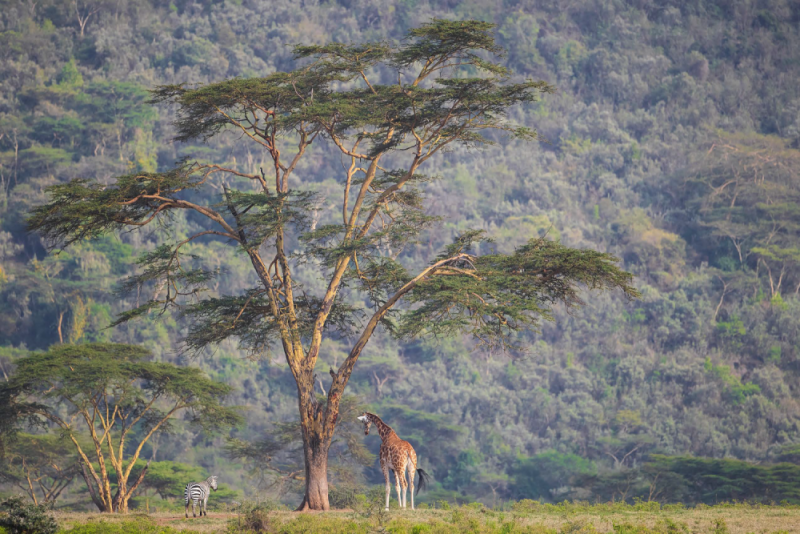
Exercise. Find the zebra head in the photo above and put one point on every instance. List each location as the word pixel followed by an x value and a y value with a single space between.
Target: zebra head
pixel 364 418
pixel 212 481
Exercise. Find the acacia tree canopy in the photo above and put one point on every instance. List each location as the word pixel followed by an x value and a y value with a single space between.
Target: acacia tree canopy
pixel 448 93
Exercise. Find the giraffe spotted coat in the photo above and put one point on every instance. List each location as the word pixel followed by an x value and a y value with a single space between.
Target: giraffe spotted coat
pixel 396 455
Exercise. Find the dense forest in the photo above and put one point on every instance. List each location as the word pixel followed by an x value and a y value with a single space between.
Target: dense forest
pixel 672 141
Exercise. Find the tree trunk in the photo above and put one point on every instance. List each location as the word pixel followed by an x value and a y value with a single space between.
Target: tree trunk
pixel 125 493
pixel 122 506
pixel 92 490
pixel 316 443
pixel 316 497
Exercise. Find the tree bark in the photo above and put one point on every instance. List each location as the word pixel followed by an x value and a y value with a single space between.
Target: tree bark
pixel 316 459
pixel 92 491
pixel 123 502
pixel 316 442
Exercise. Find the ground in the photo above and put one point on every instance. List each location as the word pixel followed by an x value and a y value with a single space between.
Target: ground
pixel 534 518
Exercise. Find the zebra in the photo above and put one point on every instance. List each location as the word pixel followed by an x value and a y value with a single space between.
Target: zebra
pixel 198 492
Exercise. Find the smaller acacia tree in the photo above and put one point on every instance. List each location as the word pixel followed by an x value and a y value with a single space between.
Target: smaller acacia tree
pixel 39 466
pixel 121 400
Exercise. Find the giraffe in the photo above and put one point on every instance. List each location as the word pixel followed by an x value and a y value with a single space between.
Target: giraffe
pixel 396 455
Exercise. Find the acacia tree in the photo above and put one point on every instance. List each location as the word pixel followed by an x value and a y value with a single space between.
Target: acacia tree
pixel 443 93
pixel 120 400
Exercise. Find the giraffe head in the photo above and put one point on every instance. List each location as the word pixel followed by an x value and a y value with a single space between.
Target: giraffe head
pixel 364 418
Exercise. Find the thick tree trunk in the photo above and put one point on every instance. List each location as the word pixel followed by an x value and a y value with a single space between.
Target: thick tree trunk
pixel 316 497
pixel 316 443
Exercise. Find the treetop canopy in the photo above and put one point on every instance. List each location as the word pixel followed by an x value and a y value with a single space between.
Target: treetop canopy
pixel 121 374
pixel 313 99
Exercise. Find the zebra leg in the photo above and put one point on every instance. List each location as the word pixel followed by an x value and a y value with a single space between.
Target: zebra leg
pixel 194 503
pixel 205 505
pixel 186 509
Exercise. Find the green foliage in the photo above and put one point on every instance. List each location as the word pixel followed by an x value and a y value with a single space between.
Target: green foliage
pixel 76 374
pixel 503 294
pixel 542 475
pixel 710 480
pixel 21 518
pixel 700 480
pixel 70 76
pixel 345 497
pixel 82 209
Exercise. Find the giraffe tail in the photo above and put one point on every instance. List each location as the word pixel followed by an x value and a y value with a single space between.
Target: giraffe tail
pixel 424 480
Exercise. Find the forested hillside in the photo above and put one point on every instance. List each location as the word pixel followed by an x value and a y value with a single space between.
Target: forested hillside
pixel 672 142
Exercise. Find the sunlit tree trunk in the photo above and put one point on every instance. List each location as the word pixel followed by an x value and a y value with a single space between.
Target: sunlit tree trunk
pixel 316 443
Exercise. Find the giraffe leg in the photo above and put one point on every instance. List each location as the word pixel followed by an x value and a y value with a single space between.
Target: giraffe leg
pixel 397 487
pixel 412 471
pixel 405 491
pixel 404 484
pixel 388 485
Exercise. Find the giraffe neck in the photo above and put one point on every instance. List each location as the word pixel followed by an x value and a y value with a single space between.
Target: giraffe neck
pixel 384 430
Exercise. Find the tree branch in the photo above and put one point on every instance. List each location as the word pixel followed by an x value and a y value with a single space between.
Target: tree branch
pixel 346 369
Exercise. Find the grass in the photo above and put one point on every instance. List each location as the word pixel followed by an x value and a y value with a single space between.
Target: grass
pixel 524 517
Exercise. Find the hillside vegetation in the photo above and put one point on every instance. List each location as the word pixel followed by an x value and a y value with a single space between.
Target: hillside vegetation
pixel 671 142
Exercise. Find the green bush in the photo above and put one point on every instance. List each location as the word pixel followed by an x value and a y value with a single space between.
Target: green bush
pixel 22 518
pixel 344 497
pixel 539 475
pixel 254 517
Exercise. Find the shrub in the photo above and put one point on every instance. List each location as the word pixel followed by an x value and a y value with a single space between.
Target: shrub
pixel 542 474
pixel 526 506
pixel 22 518
pixel 344 496
pixel 254 517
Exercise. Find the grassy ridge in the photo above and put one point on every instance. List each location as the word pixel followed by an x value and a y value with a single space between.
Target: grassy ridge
pixel 523 517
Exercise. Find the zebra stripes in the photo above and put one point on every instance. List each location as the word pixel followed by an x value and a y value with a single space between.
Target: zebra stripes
pixel 197 493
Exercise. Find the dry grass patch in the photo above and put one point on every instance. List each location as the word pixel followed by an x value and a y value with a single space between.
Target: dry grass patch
pixel 536 519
